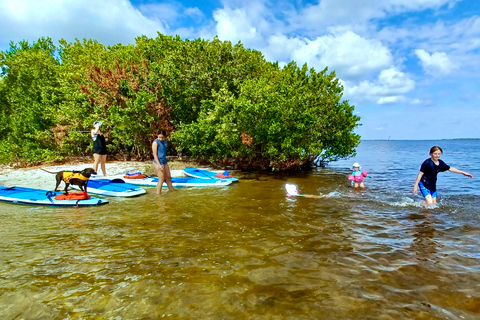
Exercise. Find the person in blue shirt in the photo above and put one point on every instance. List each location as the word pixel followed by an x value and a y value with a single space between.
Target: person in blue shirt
pixel 427 177
pixel 160 165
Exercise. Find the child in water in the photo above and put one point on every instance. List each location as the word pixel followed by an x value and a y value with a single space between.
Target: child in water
pixel 357 176
pixel 427 177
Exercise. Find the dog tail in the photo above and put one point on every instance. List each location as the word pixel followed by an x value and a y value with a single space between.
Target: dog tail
pixel 48 171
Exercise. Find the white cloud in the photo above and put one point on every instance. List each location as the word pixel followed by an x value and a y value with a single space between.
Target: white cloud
pixel 391 99
pixel 193 12
pixel 347 53
pixel 235 26
pixel 169 12
pixel 350 55
pixel 437 64
pixel 108 21
pixel 162 11
pixel 354 12
pixel 250 24
pixel 390 87
pixel 459 40
pixel 416 101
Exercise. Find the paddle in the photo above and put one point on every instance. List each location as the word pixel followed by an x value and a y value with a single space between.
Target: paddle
pixel 293 192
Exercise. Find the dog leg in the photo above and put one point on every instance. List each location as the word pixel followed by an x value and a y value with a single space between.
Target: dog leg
pixel 66 187
pixel 58 183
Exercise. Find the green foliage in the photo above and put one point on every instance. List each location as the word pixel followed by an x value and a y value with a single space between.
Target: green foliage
pixel 30 97
pixel 283 119
pixel 189 71
pixel 221 103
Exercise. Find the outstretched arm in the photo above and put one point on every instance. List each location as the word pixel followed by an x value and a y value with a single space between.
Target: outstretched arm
pixel 452 169
pixel 415 186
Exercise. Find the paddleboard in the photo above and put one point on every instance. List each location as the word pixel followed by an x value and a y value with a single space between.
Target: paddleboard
pixel 178 182
pixel 21 195
pixel 112 188
pixel 205 174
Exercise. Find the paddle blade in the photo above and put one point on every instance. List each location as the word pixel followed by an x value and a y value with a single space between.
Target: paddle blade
pixel 291 189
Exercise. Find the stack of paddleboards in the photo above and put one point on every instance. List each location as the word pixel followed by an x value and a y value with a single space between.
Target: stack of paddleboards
pixel 177 182
pixel 21 195
pixel 206 174
pixel 201 178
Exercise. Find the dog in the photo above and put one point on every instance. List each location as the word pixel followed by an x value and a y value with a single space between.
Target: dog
pixel 79 178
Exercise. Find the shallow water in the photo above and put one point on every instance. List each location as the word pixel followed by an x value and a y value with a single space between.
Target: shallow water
pixel 246 251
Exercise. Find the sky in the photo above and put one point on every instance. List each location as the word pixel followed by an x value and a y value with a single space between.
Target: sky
pixel 411 68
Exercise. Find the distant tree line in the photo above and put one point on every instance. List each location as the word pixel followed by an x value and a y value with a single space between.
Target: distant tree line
pixel 219 103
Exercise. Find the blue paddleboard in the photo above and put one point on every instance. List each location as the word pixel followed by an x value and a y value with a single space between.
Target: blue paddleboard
pixel 112 188
pixel 204 174
pixel 21 195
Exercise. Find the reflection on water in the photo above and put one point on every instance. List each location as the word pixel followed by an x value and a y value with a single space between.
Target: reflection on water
pixel 243 252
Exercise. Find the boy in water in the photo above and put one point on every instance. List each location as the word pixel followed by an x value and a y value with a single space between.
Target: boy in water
pixel 427 177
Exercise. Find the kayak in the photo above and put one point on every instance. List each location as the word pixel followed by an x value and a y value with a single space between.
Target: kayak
pixel 178 182
pixel 21 195
pixel 206 174
pixel 112 188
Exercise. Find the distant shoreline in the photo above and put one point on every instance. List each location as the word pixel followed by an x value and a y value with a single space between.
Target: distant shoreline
pixel 419 139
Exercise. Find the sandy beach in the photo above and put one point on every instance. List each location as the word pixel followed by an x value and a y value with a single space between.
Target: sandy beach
pixel 35 177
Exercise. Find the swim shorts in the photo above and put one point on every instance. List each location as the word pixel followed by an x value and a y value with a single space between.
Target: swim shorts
pixel 425 192
pixel 161 160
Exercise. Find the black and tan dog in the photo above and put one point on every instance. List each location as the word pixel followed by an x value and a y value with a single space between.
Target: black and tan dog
pixel 79 178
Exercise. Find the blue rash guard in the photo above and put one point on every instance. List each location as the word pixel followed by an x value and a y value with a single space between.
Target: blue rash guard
pixel 161 151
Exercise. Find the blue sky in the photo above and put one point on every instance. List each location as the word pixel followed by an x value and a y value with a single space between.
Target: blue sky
pixel 411 68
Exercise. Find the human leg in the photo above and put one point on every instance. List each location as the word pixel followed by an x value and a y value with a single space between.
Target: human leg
pixel 168 177
pixel 103 161
pixel 96 158
pixel 161 177
pixel 429 201
pixel 430 197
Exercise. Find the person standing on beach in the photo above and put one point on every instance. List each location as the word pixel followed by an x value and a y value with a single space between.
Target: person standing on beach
pixel 99 147
pixel 160 165
pixel 427 177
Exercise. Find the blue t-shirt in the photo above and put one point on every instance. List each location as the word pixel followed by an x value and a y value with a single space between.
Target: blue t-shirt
pixel 161 151
pixel 430 171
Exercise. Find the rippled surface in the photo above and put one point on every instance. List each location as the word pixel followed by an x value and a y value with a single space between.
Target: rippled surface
pixel 247 252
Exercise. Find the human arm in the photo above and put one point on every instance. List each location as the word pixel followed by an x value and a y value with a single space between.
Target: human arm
pixel 95 130
pixel 455 170
pixel 415 185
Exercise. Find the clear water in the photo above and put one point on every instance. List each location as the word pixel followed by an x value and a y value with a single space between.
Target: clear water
pixel 246 251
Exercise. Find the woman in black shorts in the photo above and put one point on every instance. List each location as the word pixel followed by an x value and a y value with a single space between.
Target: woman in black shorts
pixel 99 147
